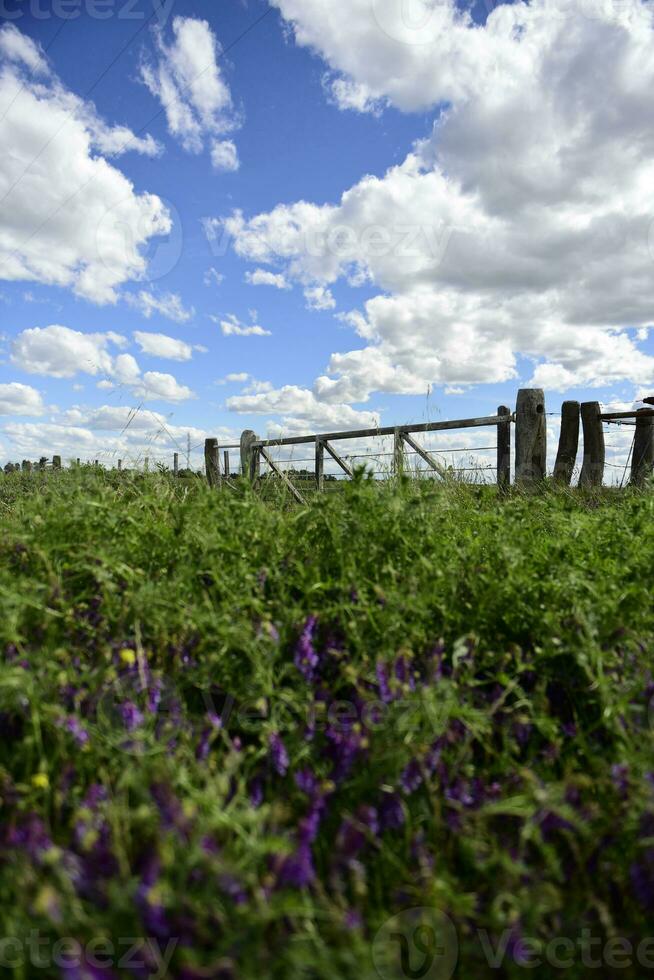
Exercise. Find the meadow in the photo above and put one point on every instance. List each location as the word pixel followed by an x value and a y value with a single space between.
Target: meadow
pixel 251 736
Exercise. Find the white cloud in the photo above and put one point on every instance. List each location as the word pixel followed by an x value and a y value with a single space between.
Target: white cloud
pixel 169 305
pixel 18 399
pixel 17 47
pixel 319 298
pixel 160 345
pixel 232 327
pixel 263 277
pixel 521 226
pixel 68 217
pixel 213 277
pixel 301 410
pixel 61 352
pixel 188 83
pixel 224 156
pixel 234 378
pixel 155 386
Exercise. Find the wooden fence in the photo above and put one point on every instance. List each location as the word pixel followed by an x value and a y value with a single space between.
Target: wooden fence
pixel 530 459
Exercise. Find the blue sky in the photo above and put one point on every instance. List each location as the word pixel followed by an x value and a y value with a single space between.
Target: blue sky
pixel 473 264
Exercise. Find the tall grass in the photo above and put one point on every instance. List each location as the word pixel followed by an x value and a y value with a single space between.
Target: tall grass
pixel 259 731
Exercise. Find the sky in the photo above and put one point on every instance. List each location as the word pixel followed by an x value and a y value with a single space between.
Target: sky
pixel 310 215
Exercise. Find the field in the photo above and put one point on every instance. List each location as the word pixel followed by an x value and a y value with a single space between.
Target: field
pixel 256 735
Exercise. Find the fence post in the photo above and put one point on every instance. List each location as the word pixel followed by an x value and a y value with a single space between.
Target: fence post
pixel 175 464
pixel 530 436
pixel 120 465
pixel 592 471
pixel 642 461
pixel 211 462
pixel 504 450
pixel 56 462
pixel 42 462
pixel 320 464
pixel 146 464
pixel 398 452
pixel 566 457
pixel 250 462
pixel 226 462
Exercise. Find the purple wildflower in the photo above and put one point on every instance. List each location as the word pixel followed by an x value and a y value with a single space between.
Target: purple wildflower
pixel 255 790
pixel 76 729
pixel 131 715
pixel 306 781
pixel 306 659
pixel 385 692
pixel 411 777
pixel 278 754
pixel 297 869
pixel 391 813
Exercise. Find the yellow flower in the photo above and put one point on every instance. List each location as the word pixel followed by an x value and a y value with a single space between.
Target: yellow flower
pixel 40 780
pixel 127 656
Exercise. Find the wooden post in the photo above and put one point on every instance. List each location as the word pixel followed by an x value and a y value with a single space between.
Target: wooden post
pixel 120 465
pixel 566 458
pixel 592 471
pixel 211 462
pixel 78 461
pixel 42 462
pixel 504 450
pixel 642 461
pixel 530 436
pixel 175 464
pixel 398 452
pixel 226 463
pixel 320 464
pixel 146 464
pixel 250 462
pixel 56 462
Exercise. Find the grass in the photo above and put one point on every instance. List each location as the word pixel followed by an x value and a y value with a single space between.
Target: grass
pixel 254 733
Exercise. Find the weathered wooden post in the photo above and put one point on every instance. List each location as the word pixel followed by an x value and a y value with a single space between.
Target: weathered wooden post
pixel 175 464
pixel 398 452
pixel 320 463
pixel 530 436
pixel 78 461
pixel 120 465
pixel 42 462
pixel 504 450
pixel 211 462
pixel 592 471
pixel 226 462
pixel 56 462
pixel 250 462
pixel 566 457
pixel 642 462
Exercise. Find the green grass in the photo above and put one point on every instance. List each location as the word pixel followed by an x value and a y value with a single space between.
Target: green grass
pixel 501 649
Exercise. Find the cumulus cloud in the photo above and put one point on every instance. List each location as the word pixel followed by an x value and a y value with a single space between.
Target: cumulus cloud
pixel 235 378
pixel 155 386
pixel 68 216
pixel 161 345
pixel 520 227
pixel 232 327
pixel 60 352
pixel 18 399
pixel 299 407
pixel 169 305
pixel 263 277
pixel 319 298
pixel 196 98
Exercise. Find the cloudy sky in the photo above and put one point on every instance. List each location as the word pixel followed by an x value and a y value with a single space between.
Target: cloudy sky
pixel 317 214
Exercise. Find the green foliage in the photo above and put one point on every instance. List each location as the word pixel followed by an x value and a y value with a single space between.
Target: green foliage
pixel 460 682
